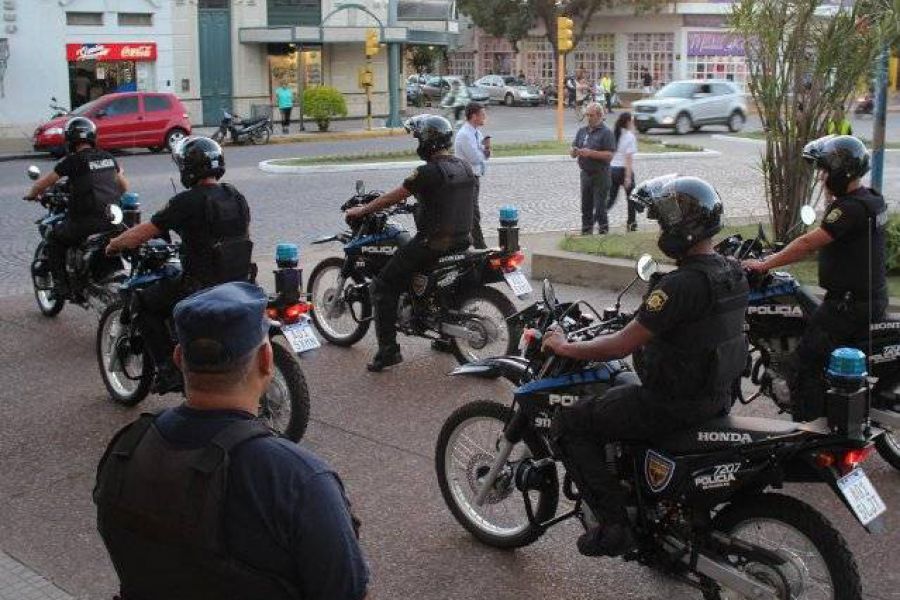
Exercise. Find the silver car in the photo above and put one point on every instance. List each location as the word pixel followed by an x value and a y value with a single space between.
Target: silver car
pixel 689 105
pixel 510 91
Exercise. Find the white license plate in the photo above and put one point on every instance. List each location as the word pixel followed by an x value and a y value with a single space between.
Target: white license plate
pixel 861 495
pixel 641 117
pixel 301 336
pixel 520 285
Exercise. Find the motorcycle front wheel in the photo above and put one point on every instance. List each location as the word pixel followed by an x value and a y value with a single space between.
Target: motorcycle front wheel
pixel 466 449
pixel 817 565
pixel 333 313
pixel 43 285
pixel 485 311
pixel 125 370
pixel 285 404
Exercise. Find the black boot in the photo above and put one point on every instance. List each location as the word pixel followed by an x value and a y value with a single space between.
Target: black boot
pixel 612 539
pixel 168 379
pixel 384 358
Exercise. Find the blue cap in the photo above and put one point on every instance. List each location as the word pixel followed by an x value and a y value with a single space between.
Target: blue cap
pixel 129 200
pixel 509 213
pixel 287 253
pixel 219 326
pixel 847 363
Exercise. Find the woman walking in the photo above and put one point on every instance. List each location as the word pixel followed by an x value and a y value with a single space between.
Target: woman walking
pixel 622 166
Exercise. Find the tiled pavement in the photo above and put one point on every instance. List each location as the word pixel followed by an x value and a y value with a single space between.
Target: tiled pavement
pixel 18 582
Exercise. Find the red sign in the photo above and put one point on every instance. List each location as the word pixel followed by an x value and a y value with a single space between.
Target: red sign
pixel 108 52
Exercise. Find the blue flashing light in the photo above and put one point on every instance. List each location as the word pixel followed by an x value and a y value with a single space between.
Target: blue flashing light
pixel 287 253
pixel 847 363
pixel 509 215
pixel 130 201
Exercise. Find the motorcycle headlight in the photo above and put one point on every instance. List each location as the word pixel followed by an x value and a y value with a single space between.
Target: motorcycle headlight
pixel 53 131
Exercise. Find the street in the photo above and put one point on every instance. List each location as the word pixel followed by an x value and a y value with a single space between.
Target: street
pixel 377 430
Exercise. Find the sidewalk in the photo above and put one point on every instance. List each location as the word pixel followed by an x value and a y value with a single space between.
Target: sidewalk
pixel 18 582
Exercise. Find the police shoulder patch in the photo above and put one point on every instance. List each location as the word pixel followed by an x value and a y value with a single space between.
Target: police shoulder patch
pixel 833 215
pixel 656 300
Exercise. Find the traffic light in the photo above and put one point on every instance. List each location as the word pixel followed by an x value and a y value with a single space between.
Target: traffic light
pixel 371 42
pixel 564 34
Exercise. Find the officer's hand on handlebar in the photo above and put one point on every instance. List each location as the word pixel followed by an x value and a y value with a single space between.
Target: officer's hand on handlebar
pixel 30 198
pixel 111 249
pixel 754 266
pixel 553 339
pixel 354 214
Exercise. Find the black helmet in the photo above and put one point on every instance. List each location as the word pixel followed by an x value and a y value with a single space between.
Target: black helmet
pixel 198 157
pixel 843 157
pixel 687 208
pixel 80 130
pixel 433 132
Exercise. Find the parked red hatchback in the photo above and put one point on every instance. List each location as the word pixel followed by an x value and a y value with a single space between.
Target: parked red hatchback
pixel 127 120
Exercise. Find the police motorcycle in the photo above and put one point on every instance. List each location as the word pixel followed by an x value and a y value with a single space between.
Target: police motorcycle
pixel 127 368
pixel 256 130
pixel 92 275
pixel 453 300
pixel 777 314
pixel 699 499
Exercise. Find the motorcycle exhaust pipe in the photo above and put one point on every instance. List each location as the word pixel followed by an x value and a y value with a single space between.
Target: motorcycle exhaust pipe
pixel 722 573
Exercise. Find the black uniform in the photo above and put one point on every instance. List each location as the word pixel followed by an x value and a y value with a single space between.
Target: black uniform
pixel 213 223
pixel 698 350
pixel 93 185
pixel 445 189
pixel 852 271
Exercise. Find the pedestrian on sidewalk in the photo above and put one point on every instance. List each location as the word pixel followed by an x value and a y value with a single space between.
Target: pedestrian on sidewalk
pixel 474 148
pixel 203 500
pixel 647 80
pixel 284 97
pixel 606 88
pixel 622 166
pixel 594 146
pixel 838 124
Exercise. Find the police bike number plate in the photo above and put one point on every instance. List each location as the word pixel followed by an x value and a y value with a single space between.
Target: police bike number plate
pixel 517 281
pixel 861 495
pixel 301 336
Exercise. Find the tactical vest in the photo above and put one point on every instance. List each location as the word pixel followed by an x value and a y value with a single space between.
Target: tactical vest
pixel 699 361
pixel 842 263
pixel 226 256
pixel 444 214
pixel 160 512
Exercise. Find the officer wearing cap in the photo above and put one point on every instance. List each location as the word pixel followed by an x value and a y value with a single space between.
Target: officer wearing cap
pixel 203 501
pixel 852 264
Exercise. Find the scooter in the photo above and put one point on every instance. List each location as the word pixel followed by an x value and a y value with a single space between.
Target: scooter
pixel 56 109
pixel 865 105
pixel 255 131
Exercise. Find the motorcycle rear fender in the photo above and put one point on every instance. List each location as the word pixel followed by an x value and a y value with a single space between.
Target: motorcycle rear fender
pixel 512 368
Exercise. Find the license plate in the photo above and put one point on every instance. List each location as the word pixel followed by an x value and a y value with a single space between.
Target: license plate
pixel 861 495
pixel 520 285
pixel 641 117
pixel 301 336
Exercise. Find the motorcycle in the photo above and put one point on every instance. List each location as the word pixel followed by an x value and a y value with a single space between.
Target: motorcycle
pixel 127 368
pixel 56 109
pixel 865 105
pixel 92 276
pixel 698 499
pixel 452 300
pixel 777 316
pixel 255 131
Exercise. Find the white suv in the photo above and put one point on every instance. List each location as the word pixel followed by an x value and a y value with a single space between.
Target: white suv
pixel 689 105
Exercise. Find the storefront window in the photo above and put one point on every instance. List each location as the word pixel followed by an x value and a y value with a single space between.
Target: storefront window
pixel 596 54
pixel 651 51
pixel 496 57
pixel 731 68
pixel 285 68
pixel 462 64
pixel 91 79
pixel 540 60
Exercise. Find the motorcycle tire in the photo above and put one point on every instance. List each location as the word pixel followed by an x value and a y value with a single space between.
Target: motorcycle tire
pixel 122 388
pixel 48 305
pixel 793 514
pixel 504 306
pixel 320 319
pixel 217 137
pixel 888 446
pixel 544 507
pixel 260 136
pixel 288 376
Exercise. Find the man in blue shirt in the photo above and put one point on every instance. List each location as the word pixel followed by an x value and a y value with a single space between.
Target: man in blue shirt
pixel 203 501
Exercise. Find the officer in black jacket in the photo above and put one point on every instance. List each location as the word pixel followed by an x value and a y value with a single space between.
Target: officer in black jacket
pixel 213 222
pixel 445 189
pixel 689 347
pixel 95 181
pixel 851 245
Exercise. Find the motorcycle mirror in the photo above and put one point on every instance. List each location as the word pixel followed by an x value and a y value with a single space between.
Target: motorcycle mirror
pixel 360 187
pixel 115 214
pixel 808 215
pixel 646 266
pixel 549 295
pixel 33 172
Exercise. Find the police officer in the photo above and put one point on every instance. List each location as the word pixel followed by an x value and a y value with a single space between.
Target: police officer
pixel 213 223
pixel 689 345
pixel 95 181
pixel 203 500
pixel 851 247
pixel 445 189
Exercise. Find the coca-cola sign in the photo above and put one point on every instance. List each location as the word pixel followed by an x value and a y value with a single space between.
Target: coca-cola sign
pixel 144 51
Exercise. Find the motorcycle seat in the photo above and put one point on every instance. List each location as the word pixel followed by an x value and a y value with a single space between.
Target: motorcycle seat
pixel 725 432
pixel 253 121
pixel 809 302
pixel 460 256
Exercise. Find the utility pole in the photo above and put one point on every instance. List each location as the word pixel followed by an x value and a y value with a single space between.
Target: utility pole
pixel 564 44
pixel 880 120
pixel 393 119
pixel 366 78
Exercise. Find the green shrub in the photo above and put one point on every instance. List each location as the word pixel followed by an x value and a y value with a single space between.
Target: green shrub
pixel 892 242
pixel 323 103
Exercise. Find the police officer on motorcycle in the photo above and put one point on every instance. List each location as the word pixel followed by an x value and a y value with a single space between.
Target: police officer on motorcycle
pixel 689 349
pixel 95 181
pixel 851 246
pixel 445 189
pixel 213 221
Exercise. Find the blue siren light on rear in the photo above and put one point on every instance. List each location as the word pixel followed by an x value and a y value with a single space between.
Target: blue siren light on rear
pixel 129 201
pixel 847 363
pixel 509 216
pixel 287 255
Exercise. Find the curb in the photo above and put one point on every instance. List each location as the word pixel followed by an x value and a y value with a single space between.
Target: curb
pixel 735 138
pixel 269 166
pixel 23 156
pixel 331 136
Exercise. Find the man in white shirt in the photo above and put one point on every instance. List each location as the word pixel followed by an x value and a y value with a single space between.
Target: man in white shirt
pixel 471 146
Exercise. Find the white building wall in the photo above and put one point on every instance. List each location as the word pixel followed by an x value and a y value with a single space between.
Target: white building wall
pixel 186 58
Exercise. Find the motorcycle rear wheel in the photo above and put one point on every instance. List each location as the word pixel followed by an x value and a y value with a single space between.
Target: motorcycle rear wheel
pixel 260 136
pixel 888 446
pixel 497 338
pixel 47 304
pixel 127 384
pixel 331 314
pixel 819 565
pixel 285 404
pixel 460 462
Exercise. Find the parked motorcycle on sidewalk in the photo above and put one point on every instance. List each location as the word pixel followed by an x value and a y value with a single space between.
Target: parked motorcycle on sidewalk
pixel 865 105
pixel 777 317
pixel 452 301
pixel 92 276
pixel 256 130
pixel 699 500
pixel 56 109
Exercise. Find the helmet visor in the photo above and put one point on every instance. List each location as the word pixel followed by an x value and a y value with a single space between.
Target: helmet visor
pixel 651 191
